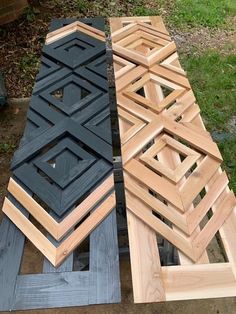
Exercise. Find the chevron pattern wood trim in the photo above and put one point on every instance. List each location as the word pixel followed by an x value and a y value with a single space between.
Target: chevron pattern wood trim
pixel 63 164
pixel 171 169
pixel 63 178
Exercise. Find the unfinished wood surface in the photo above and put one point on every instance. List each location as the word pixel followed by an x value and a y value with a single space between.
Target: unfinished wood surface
pixel 74 27
pixel 172 174
pixel 59 229
pixel 56 255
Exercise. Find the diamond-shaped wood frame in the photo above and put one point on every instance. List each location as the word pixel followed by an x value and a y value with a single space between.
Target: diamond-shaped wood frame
pixel 180 170
pixel 159 184
pixel 61 198
pixel 66 208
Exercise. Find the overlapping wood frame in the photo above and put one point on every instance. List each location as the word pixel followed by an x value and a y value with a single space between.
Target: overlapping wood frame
pixel 63 177
pixel 169 160
pixel 171 170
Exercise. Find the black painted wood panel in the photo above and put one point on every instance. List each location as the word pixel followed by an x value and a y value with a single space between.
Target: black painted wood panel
pixel 66 145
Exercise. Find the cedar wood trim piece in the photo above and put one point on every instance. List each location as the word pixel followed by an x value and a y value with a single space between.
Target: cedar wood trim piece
pixel 168 159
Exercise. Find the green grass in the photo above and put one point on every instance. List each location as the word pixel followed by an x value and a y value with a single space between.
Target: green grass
pixel 228 151
pixel 7 147
pixel 213 79
pixel 141 9
pixel 82 5
pixel 30 13
pixel 211 13
pixel 29 62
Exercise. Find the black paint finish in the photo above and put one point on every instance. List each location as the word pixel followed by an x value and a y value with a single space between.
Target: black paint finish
pixel 68 124
pixel 65 153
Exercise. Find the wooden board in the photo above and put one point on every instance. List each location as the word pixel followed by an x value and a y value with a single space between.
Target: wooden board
pixel 171 169
pixel 63 177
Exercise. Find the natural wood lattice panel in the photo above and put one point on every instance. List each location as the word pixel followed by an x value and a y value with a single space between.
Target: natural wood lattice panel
pixel 171 169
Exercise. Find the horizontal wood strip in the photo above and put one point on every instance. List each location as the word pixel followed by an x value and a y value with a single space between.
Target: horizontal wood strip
pixel 198 281
pixel 52 290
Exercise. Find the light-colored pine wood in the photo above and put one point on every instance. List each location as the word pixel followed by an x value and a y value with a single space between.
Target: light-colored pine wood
pixel 182 104
pixel 197 140
pixel 170 75
pixel 172 63
pixel 126 39
pixel 171 158
pixel 198 178
pixel 220 216
pixel 195 217
pixel 31 232
pixel 74 27
pixel 56 255
pixel 159 158
pixel 132 75
pixel 124 66
pixel 176 174
pixel 143 212
pixel 146 275
pixel 154 182
pixel 135 125
pixel 58 230
pixel 156 205
pixel 198 281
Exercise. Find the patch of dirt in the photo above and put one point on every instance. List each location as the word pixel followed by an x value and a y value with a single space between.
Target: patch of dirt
pixel 21 44
pixel 232 125
pixel 12 124
pixel 198 40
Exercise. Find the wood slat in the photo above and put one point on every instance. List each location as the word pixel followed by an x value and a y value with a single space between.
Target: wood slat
pixel 165 180
pixel 70 97
pixel 58 230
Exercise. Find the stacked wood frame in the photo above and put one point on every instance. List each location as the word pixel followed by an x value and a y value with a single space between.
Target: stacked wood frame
pixel 63 178
pixel 171 170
